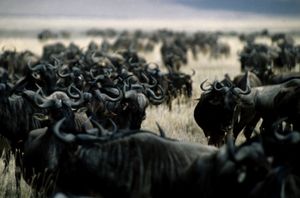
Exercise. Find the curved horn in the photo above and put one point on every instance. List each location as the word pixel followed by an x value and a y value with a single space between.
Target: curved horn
pixel 238 91
pixel 94 58
pixel 245 84
pixel 155 98
pixel 46 103
pixel 96 78
pixel 114 91
pixel 202 86
pixel 105 97
pixel 80 98
pixel 144 76
pixel 20 84
pixel 222 89
pixel 62 75
pixel 70 94
pixel 87 138
pixel 231 148
pixel 67 138
pixel 115 128
pixel 150 85
pixel 50 66
pixel 36 67
pixel 102 131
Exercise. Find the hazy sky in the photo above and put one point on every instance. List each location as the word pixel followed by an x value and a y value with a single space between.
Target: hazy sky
pixel 149 8
pixel 269 7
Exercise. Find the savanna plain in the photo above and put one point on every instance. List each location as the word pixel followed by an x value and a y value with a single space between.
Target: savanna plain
pixel 178 123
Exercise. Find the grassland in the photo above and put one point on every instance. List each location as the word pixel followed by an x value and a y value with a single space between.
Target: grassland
pixel 178 123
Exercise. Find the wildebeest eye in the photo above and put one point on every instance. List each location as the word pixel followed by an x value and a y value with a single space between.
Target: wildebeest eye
pixel 36 75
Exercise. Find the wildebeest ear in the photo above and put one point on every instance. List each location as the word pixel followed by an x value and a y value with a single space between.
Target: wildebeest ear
pixel 40 116
pixel 245 82
pixel 227 77
pixel 161 131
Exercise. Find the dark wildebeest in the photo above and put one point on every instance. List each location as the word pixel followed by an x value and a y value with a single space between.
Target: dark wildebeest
pixel 121 165
pixel 101 161
pixel 40 148
pixel 240 107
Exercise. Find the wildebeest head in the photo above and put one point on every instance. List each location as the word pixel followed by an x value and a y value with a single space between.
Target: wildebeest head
pixel 75 75
pixel 217 109
pixel 58 105
pixel 133 108
pixel 43 74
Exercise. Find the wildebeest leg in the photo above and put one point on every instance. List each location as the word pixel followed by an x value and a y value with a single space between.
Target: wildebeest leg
pixel 249 123
pixel 250 127
pixel 5 151
pixel 296 123
pixel 18 172
pixel 287 126
pixel 266 128
pixel 6 160
pixel 169 102
pixel 237 129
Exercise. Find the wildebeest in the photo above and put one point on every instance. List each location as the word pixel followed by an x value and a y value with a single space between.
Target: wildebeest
pixel 240 107
pixel 143 164
pixel 173 55
pixel 16 120
pixel 39 141
pixel 122 164
pixel 42 74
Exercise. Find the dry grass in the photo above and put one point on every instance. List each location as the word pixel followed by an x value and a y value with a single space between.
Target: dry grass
pixel 178 123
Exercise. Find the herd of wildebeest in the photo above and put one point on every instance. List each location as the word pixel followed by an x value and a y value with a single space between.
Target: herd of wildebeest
pixel 72 118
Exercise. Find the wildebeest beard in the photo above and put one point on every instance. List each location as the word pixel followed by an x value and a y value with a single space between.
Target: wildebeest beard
pixel 214 114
